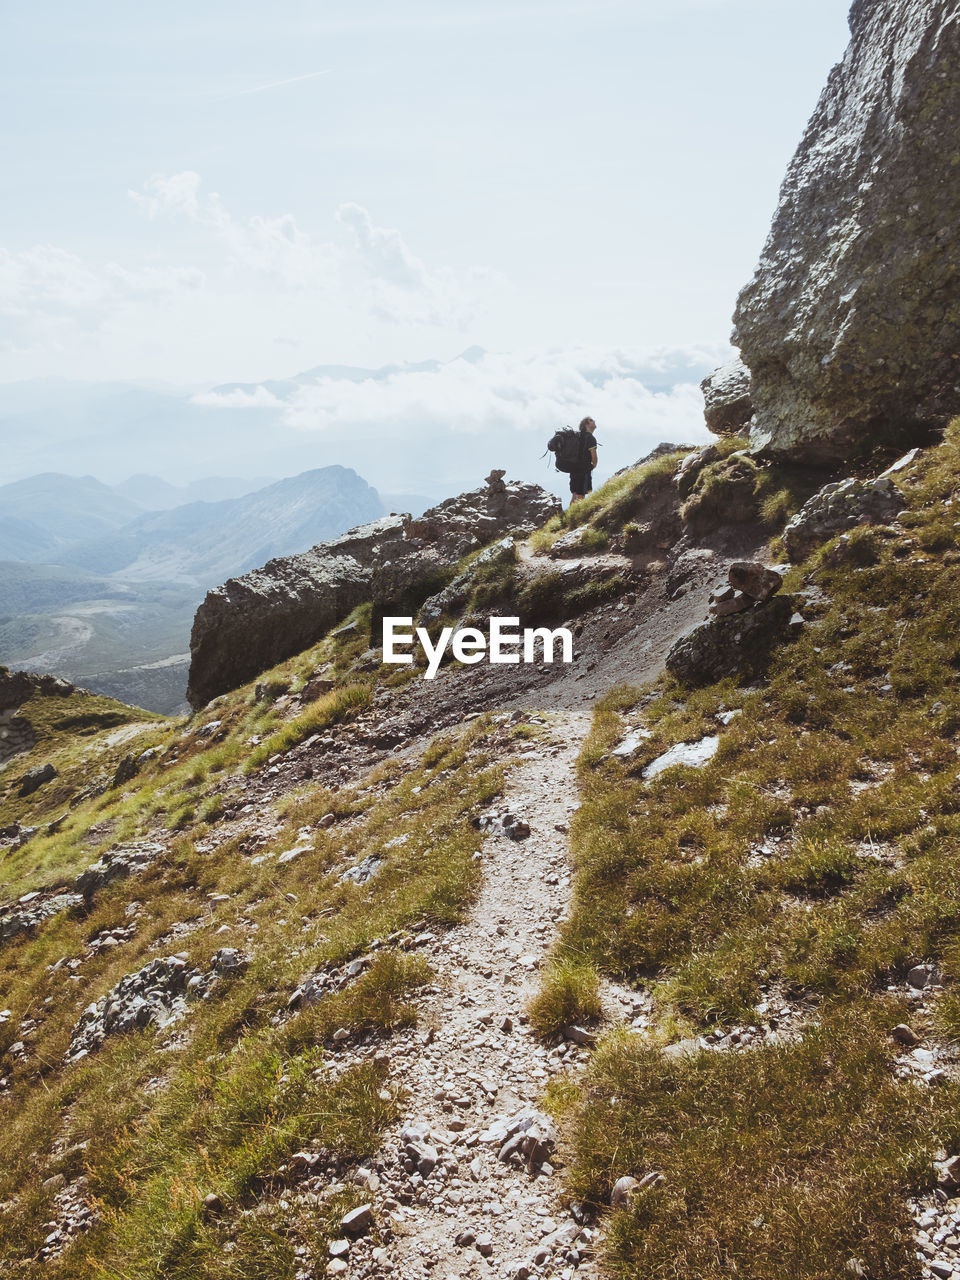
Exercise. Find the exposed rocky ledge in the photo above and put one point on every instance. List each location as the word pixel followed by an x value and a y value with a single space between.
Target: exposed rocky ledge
pixel 257 620
pixel 16 687
pixel 853 318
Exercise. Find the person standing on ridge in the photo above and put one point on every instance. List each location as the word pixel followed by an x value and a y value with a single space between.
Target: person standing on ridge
pixel 581 480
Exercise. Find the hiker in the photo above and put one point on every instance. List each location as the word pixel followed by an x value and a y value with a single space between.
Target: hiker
pixel 576 453
pixel 581 481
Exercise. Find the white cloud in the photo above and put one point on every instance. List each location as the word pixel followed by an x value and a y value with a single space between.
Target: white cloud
pixel 489 393
pixel 239 398
pixel 273 247
pixel 47 294
pixel 384 251
pixel 399 287
pixel 402 289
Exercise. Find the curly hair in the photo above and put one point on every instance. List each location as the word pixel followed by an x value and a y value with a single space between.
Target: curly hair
pixel 587 424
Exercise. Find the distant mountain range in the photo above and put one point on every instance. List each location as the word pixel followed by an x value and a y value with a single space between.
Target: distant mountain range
pixel 111 430
pixel 96 589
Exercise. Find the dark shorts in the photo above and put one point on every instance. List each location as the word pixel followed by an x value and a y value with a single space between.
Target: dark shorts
pixel 581 481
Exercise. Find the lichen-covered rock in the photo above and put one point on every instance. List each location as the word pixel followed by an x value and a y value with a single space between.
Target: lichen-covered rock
pixel 25 915
pixel 727 646
pixel 853 315
pixel 727 400
pixel 36 778
pixel 837 507
pixel 117 864
pixel 155 995
pixel 255 621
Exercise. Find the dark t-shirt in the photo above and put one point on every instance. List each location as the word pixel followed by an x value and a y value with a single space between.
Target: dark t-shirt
pixel 588 441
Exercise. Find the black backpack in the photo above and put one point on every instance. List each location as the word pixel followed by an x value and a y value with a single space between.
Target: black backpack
pixel 567 447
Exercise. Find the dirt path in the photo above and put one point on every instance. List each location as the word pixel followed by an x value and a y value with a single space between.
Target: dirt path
pixel 474 1061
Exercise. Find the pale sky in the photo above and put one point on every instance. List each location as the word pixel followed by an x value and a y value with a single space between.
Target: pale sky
pixel 194 194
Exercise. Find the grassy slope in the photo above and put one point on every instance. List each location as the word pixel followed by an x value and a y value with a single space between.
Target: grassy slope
pixel 814 860
pixel 784 1161
pixel 155 1130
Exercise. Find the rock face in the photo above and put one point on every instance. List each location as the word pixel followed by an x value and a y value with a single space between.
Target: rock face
pixel 726 646
pixel 257 620
pixel 853 315
pixel 727 400
pixel 840 506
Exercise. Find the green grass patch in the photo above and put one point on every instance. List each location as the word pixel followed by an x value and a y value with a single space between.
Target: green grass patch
pixel 785 1160
pixel 569 994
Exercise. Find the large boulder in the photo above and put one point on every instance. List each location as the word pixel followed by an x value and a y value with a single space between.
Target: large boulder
pixel 727 399
pixel 853 316
pixel 737 644
pixel 36 778
pixel 255 621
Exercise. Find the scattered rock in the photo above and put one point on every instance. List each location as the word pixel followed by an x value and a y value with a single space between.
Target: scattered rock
pixel 905 1035
pixel 315 688
pixel 363 871
pixel 358 1221
pixel 622 1192
pixel 631 743
pixel 922 975
pixel 580 1035
pixel 948 1173
pixel 754 579
pixel 693 754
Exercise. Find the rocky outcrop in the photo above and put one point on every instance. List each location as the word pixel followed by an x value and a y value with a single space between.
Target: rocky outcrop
pixel 17 687
pixel 837 507
pixel 257 620
pixel 457 592
pixel 853 316
pixel 32 910
pixel 727 400
pixel 155 995
pixel 117 864
pixel 36 778
pixel 731 645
